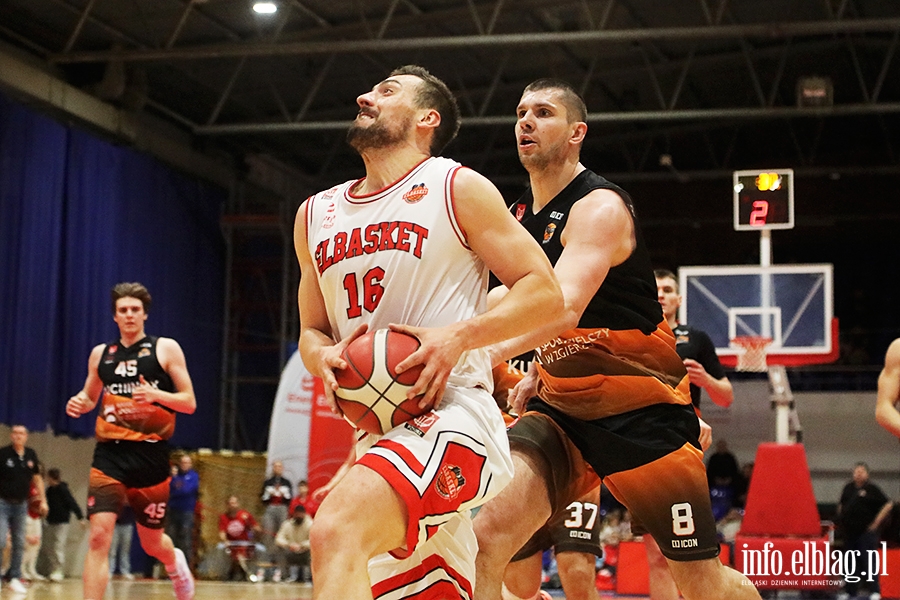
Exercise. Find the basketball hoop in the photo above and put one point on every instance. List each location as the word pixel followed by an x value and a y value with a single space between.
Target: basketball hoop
pixel 752 356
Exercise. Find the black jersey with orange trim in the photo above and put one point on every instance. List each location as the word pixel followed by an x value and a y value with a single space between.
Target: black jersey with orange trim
pixel 120 370
pixel 621 356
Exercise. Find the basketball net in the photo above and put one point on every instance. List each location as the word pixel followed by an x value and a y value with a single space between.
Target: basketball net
pixel 752 356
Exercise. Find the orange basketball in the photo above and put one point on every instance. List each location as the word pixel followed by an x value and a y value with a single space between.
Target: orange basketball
pixel 372 395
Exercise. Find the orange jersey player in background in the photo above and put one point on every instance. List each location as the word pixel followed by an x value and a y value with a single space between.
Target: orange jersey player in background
pixel 144 381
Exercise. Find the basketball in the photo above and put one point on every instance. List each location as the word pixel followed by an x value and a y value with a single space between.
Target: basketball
pixel 372 395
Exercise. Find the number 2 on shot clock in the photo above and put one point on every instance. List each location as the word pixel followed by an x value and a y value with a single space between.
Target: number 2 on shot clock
pixel 763 199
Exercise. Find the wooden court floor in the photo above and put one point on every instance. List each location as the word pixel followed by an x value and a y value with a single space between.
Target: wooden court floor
pixel 150 589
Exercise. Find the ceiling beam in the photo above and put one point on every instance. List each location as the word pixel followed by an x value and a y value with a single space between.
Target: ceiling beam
pixel 255 49
pixel 707 114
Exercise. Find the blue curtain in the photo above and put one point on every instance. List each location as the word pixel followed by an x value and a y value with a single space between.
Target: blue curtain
pixel 77 215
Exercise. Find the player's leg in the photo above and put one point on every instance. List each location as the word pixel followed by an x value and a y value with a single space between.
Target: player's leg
pixel 106 496
pixel 662 586
pixel 149 504
pixel 578 575
pixel 670 498
pixel 507 522
pixel 96 562
pixel 362 517
pixel 522 578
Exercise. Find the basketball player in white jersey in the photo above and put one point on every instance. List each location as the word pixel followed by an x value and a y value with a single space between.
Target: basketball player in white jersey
pixel 886 412
pixel 409 246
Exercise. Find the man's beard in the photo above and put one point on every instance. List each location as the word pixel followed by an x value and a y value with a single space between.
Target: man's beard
pixel 539 161
pixel 377 135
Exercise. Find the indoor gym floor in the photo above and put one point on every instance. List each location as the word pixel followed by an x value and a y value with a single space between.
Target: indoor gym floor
pixel 149 589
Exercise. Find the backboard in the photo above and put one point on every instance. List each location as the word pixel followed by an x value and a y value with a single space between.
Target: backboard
pixel 791 304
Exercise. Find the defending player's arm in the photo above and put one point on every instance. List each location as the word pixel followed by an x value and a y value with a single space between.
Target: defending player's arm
pixel 86 399
pixel 598 235
pixel 321 355
pixel 719 390
pixel 889 390
pixel 171 359
pixel 491 232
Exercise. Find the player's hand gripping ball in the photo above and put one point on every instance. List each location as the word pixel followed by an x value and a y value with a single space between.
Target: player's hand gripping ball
pixel 372 395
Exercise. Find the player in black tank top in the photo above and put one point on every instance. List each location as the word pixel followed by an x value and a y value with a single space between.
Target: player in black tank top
pixel 142 382
pixel 609 376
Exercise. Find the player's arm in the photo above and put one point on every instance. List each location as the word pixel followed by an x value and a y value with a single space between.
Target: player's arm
pixel 599 234
pixel 86 399
pixel 320 354
pixel 889 390
pixel 171 359
pixel 516 259
pixel 707 372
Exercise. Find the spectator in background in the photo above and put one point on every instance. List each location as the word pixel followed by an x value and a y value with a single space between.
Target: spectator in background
pixel 861 511
pixel 303 498
pixel 293 545
pixel 237 528
pixel 121 543
pixel 742 485
pixel 722 467
pixel 276 495
pixel 62 506
pixel 33 528
pixel 183 489
pixel 18 471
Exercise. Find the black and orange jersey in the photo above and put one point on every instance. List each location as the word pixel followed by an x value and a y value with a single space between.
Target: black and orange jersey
pixel 121 418
pixel 621 356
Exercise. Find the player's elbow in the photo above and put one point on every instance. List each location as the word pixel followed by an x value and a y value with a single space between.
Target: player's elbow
pixel 190 405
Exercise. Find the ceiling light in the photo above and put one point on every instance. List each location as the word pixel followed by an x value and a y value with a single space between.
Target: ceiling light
pixel 265 8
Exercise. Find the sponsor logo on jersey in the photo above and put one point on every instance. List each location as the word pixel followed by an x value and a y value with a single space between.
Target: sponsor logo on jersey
pixel 144 352
pixel 449 481
pixel 416 193
pixel 520 211
pixel 330 193
pixel 556 215
pixel 682 339
pixel 548 233
pixel 421 424
pixel 112 349
pixel 377 237
pixel 328 221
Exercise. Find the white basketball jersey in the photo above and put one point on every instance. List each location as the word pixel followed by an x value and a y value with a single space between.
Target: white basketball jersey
pixel 399 256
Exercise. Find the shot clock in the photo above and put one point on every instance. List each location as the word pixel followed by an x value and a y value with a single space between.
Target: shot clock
pixel 764 199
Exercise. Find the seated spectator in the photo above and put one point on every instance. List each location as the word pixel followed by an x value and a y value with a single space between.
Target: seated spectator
pixel 304 498
pixel 237 529
pixel 730 525
pixel 293 545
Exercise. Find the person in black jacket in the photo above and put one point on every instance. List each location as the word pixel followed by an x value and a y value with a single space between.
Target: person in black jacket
pixel 61 507
pixel 861 511
pixel 18 471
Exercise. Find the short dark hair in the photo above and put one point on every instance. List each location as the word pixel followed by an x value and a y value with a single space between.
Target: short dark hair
pixel 863 465
pixel 131 290
pixel 572 100
pixel 54 474
pixel 434 93
pixel 666 274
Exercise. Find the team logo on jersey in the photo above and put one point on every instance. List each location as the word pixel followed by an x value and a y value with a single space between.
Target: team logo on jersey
pixel 416 193
pixel 548 233
pixel 328 221
pixel 682 339
pixel 91 502
pixel 144 352
pixel 421 424
pixel 520 211
pixel 112 349
pixel 449 481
